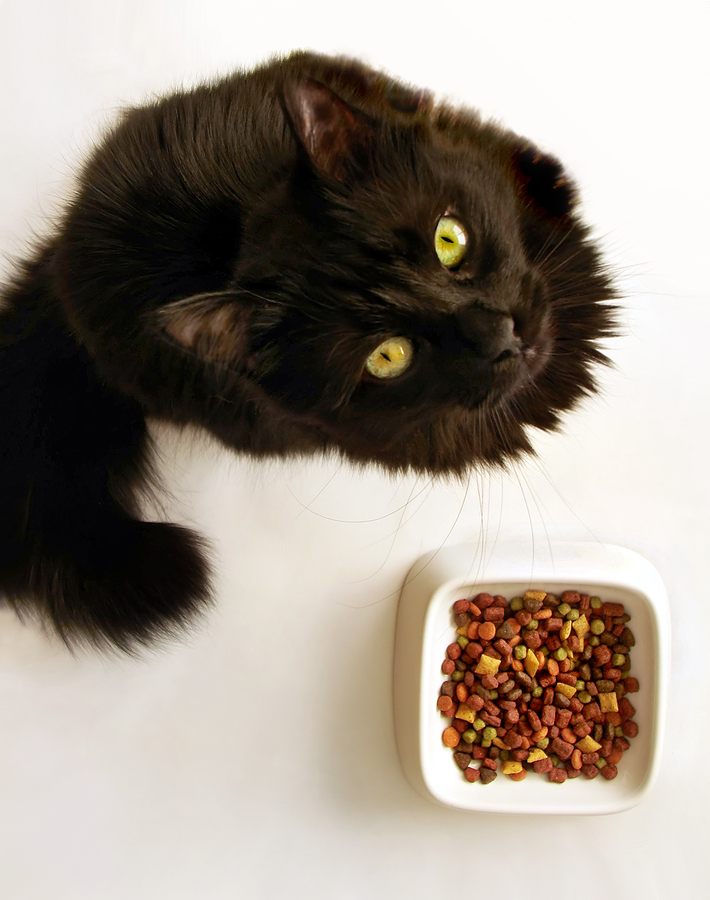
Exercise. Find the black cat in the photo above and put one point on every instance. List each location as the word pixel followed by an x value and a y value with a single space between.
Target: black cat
pixel 306 258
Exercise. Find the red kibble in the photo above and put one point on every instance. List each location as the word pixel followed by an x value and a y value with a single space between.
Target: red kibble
pixel 609 772
pixel 559 776
pixel 612 609
pixel 631 685
pixel 483 601
pixel 490 763
pixel 494 614
pixel 562 748
pixel 472 774
pixel 461 606
pixel 541 766
pixel 453 651
pixel 548 715
pixel 630 729
pixel 448 667
pixel 602 654
pixel 590 771
pixel 460 725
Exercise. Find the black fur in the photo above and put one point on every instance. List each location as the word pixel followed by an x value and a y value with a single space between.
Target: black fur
pixel 231 257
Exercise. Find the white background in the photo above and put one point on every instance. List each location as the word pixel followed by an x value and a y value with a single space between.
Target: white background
pixel 257 758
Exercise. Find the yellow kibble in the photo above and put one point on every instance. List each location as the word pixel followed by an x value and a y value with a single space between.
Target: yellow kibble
pixel 511 767
pixel 568 690
pixel 487 665
pixel 497 742
pixel 531 663
pixel 608 702
pixel 588 744
pixel 463 630
pixel 466 713
pixel 581 626
pixel 565 630
pixel 536 755
pixel 535 595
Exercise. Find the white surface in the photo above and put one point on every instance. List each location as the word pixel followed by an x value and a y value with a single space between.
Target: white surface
pixel 258 759
pixel 425 628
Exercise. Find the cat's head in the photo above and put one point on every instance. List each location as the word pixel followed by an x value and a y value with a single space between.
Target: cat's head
pixel 411 287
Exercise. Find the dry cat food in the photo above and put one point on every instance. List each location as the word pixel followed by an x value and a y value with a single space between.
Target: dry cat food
pixel 539 682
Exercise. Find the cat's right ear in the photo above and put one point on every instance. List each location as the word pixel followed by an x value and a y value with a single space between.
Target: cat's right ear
pixel 213 327
pixel 334 136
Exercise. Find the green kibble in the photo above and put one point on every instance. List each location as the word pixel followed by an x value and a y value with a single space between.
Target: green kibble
pixel 572 615
pixel 584 697
pixel 532 625
pixel 579 685
pixel 537 691
pixel 489 733
pixel 593 641
pixel 555 759
pixel 516 604
pixel 543 743
pixel 505 755
pixel 563 609
pixel 618 731
pixel 597 626
pixel 462 641
pixel 618 660
pixel 559 654
pixel 493 695
pixel 469 735
pixel 595 603
pixel 520 651
pixel 600 763
pixel 478 724
pixel 485 743
pixel 457 676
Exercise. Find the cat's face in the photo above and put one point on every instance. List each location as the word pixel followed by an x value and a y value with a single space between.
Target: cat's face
pixel 413 294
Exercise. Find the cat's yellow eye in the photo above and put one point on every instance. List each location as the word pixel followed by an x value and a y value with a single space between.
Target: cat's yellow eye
pixel 391 358
pixel 450 241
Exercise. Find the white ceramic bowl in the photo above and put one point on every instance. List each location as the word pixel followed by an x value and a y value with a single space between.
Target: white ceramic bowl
pixel 425 628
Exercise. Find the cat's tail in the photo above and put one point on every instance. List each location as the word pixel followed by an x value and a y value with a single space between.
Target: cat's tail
pixel 73 460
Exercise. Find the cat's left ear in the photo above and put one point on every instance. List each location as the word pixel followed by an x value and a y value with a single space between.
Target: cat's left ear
pixel 335 137
pixel 545 182
pixel 212 327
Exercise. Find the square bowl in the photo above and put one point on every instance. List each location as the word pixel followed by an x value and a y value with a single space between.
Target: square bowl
pixel 425 627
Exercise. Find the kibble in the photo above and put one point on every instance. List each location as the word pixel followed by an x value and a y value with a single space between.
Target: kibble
pixel 538 684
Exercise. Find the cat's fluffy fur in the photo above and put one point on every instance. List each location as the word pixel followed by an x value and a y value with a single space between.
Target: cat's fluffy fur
pixel 231 257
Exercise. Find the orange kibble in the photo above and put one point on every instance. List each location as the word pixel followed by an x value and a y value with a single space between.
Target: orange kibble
pixel 543 613
pixel 553 667
pixel 445 704
pixel 539 735
pixel 461 692
pixel 540 657
pixel 576 759
pixel 565 665
pixel 517 665
pixel 451 737
pixel 487 631
pixel 525 745
pixel 515 640
pixel 472 632
pixel 518 776
pixel 568 735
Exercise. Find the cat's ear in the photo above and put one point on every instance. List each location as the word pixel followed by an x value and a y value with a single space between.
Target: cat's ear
pixel 334 136
pixel 213 327
pixel 544 181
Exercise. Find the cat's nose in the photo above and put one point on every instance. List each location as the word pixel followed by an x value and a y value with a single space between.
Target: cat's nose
pixel 492 334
